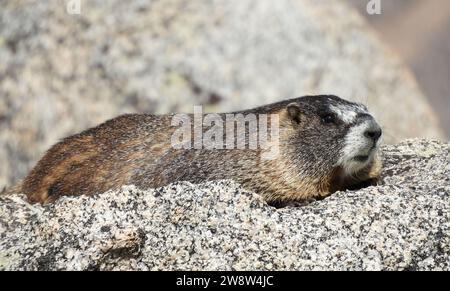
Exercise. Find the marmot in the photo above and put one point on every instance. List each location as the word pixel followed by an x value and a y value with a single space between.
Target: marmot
pixel 325 144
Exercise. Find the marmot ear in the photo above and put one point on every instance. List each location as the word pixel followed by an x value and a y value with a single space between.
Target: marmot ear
pixel 293 110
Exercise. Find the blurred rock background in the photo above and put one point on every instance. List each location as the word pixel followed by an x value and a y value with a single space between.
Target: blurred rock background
pixel 61 73
pixel 419 31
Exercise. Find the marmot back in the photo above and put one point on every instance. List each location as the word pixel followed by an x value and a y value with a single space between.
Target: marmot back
pixel 325 144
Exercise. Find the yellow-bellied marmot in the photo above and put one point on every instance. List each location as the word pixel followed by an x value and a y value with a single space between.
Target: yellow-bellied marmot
pixel 325 144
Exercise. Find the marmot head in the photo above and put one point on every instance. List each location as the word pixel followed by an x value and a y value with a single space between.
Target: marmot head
pixel 330 132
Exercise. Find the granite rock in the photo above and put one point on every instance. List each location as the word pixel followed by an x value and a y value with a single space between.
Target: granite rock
pixel 401 224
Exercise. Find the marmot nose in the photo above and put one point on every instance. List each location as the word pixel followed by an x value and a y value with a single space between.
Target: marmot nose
pixel 373 133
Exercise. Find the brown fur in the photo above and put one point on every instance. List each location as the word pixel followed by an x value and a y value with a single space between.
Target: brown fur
pixel 135 149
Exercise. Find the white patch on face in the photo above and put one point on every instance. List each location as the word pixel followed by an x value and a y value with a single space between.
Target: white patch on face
pixel 356 144
pixel 347 113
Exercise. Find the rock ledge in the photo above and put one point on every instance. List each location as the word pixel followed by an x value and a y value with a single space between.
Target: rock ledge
pixel 402 224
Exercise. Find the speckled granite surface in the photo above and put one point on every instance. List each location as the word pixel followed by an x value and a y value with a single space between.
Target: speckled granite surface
pixel 402 224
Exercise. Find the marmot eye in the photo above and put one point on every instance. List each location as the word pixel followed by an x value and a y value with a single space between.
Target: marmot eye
pixel 329 118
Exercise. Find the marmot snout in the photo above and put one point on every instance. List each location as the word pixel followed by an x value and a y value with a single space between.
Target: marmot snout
pixel 325 144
